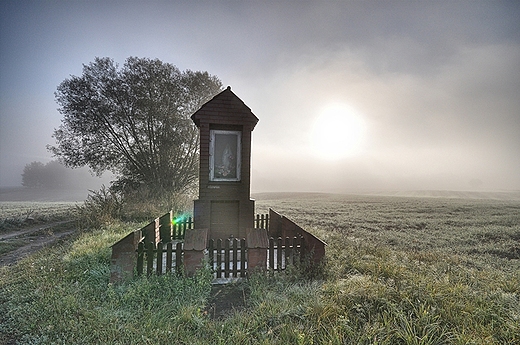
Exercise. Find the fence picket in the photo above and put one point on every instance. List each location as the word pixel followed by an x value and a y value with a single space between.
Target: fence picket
pixel 182 229
pixel 140 258
pixel 288 251
pixel 178 258
pixel 226 258
pixel 211 252
pixel 149 258
pixel 235 257
pixel 169 254
pixel 243 257
pixel 219 258
pixel 271 253
pixel 279 252
pixel 166 227
pixel 301 249
pixel 159 261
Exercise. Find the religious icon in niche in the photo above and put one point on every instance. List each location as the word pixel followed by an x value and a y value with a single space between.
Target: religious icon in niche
pixel 225 155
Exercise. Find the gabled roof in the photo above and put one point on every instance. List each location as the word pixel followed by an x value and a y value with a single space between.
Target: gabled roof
pixel 225 108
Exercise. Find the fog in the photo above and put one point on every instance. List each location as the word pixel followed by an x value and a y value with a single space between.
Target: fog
pixel 435 84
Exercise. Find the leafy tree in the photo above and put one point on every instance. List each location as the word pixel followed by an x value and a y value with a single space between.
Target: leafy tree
pixel 133 121
pixel 33 175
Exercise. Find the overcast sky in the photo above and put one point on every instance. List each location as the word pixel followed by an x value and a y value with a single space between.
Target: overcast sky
pixel 433 86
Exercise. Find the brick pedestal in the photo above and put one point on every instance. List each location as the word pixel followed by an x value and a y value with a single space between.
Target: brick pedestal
pixel 124 257
pixel 195 244
pixel 193 260
pixel 257 244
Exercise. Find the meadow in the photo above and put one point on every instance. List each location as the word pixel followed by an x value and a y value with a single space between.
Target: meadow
pixel 16 214
pixel 399 270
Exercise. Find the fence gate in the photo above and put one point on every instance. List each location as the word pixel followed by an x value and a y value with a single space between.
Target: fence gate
pixel 227 257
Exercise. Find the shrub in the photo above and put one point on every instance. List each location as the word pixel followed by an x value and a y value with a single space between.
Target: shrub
pixel 101 207
pixel 106 206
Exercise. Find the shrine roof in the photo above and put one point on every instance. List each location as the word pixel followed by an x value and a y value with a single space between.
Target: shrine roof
pixel 225 108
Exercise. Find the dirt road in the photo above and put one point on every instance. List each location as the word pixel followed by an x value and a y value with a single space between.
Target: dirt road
pixel 17 244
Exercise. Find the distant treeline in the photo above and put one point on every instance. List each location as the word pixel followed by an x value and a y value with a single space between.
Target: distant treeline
pixel 54 175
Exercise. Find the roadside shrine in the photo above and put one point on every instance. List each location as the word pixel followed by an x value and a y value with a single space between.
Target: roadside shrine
pixel 224 232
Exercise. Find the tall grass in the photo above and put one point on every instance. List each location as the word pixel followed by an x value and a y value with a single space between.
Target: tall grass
pixel 398 271
pixel 105 206
pixel 62 295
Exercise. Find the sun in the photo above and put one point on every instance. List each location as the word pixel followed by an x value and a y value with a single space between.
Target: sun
pixel 338 132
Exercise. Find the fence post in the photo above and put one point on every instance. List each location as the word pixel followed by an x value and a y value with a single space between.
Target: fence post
pixel 279 252
pixel 159 258
pixel 219 258
pixel 149 258
pixel 235 257
pixel 271 253
pixel 166 227
pixel 175 230
pixel 226 258
pixel 169 255
pixel 149 232
pixel 211 250
pixel 243 257
pixel 288 251
pixel 178 258
pixel 140 258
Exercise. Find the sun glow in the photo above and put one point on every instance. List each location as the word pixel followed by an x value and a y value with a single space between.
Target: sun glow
pixel 338 132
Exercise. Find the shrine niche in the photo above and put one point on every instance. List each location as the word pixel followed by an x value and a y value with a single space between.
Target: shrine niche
pixel 224 155
pixel 224 205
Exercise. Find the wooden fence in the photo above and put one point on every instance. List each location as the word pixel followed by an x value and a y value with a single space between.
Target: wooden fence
pixel 165 245
pixel 261 221
pixel 169 228
pixel 226 257
pixel 159 259
pixel 282 253
pixel 179 227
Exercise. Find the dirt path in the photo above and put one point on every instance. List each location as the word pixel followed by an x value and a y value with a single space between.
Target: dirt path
pixel 225 299
pixel 30 230
pixel 29 240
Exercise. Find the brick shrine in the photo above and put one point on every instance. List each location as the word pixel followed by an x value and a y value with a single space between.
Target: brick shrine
pixel 224 205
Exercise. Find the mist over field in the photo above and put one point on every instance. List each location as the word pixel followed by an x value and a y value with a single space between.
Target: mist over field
pixel 42 195
pixel 56 184
pixel 352 97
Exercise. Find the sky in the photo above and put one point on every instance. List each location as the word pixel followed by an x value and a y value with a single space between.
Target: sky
pixel 351 95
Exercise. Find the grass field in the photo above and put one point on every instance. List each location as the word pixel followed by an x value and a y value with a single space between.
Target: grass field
pixel 16 214
pixel 399 270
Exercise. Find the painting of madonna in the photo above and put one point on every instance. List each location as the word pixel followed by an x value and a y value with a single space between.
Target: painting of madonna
pixel 225 156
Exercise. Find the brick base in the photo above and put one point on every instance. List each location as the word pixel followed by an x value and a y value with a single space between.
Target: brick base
pixel 193 260
pixel 256 259
pixel 124 257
